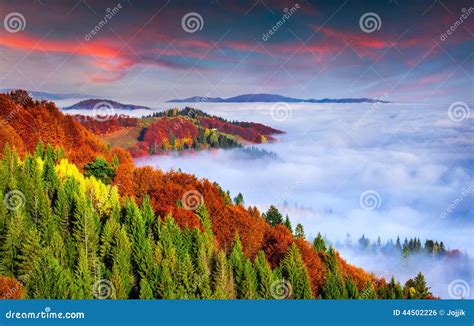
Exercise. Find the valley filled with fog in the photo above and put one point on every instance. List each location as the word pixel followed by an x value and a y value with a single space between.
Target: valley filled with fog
pixel 382 170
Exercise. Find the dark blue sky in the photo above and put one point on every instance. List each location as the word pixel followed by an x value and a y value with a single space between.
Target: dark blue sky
pixel 148 49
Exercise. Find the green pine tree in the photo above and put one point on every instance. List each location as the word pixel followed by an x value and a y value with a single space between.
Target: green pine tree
pixel 294 271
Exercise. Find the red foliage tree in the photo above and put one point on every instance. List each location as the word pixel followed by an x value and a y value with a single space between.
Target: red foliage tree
pixel 359 276
pixel 276 242
pixel 111 124
pixel 10 288
pixel 314 265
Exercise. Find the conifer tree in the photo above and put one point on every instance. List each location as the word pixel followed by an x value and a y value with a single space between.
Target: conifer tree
pixel 287 223
pixel 299 231
pixel 146 292
pixel 294 271
pixel 83 278
pixel 239 199
pixel 222 278
pixel 11 244
pixel 331 289
pixel 141 253
pixel 334 287
pixel 148 214
pixel 319 244
pixel 352 290
pixel 273 216
pixel 203 269
pixel 264 276
pixel 186 278
pixel 237 262
pixel 422 291
pixel 122 277
pixel 50 280
pixel 394 289
pixel 248 284
pixel 30 253
pixel 85 229
pixel 368 292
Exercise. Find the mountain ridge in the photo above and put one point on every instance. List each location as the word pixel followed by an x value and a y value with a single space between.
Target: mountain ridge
pixel 272 98
pixel 100 104
pixel 39 95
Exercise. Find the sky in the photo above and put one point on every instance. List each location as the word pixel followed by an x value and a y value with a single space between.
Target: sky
pixel 159 50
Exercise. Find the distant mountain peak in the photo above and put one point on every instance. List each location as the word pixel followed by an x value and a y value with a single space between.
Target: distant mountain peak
pixel 90 104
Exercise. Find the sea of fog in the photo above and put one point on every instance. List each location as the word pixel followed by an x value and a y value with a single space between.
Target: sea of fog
pixel 383 170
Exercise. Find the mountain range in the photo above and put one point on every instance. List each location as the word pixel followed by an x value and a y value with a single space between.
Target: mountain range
pixel 272 98
pixel 38 95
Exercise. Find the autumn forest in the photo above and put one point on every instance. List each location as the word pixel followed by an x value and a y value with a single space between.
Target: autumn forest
pixel 78 220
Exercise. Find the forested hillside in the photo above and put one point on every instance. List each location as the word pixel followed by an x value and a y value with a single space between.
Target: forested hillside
pixel 175 130
pixel 78 220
